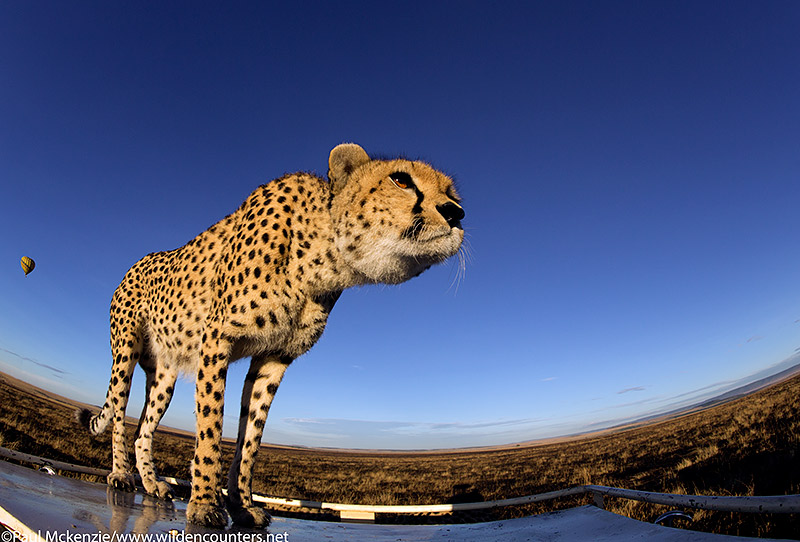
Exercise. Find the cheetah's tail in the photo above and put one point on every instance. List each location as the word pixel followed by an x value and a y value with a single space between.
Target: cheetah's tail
pixel 94 424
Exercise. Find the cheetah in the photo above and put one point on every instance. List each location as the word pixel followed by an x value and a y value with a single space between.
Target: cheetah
pixel 260 284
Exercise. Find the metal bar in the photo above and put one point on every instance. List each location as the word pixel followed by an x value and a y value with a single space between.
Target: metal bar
pixel 779 504
pixel 423 508
pixel 24 532
pixel 60 465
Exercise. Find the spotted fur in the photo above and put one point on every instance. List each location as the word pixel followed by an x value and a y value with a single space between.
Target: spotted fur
pixel 260 283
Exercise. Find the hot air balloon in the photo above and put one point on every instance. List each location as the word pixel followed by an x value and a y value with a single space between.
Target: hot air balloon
pixel 27 264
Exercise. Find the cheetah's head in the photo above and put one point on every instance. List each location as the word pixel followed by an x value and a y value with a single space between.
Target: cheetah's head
pixel 392 219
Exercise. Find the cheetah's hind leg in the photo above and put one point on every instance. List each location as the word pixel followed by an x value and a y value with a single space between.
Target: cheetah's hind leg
pixel 160 387
pixel 126 350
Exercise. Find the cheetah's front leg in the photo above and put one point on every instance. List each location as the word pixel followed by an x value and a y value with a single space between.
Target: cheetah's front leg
pixel 205 505
pixel 262 382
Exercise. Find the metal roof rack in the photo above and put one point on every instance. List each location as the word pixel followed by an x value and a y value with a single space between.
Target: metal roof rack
pixel 27 485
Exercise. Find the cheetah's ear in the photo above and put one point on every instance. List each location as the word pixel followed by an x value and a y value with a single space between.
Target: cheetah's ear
pixel 344 159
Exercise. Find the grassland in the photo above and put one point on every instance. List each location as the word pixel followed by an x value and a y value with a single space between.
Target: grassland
pixel 748 446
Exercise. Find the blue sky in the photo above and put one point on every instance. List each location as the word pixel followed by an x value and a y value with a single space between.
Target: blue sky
pixel 630 173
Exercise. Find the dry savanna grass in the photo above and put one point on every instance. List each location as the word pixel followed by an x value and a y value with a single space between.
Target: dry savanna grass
pixel 747 446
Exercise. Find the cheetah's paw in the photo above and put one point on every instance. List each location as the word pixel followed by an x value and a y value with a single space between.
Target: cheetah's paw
pixel 208 515
pixel 162 490
pixel 251 516
pixel 121 480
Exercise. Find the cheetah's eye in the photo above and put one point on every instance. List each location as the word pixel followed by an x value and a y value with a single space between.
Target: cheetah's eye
pixel 401 179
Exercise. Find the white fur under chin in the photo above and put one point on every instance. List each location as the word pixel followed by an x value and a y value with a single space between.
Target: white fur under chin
pixel 392 261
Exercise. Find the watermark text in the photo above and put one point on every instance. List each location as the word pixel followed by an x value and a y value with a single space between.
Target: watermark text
pixel 171 536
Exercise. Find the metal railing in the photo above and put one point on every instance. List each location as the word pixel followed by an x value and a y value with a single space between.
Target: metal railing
pixel 779 504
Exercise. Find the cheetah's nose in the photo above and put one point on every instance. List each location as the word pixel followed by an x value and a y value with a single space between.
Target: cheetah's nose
pixel 452 213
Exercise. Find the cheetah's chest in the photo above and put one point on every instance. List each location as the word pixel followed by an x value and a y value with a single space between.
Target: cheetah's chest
pixel 290 329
